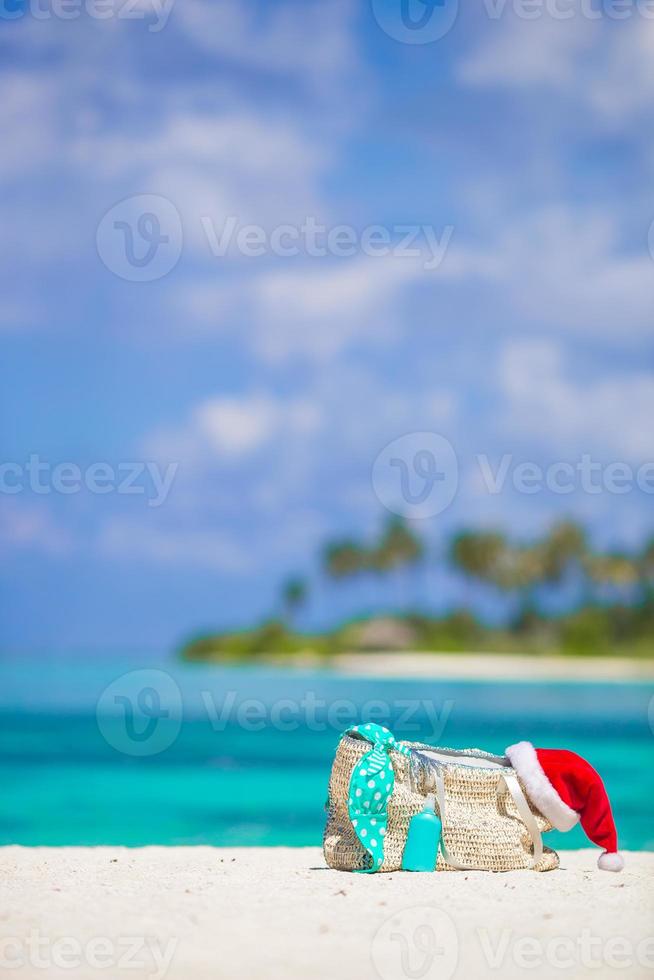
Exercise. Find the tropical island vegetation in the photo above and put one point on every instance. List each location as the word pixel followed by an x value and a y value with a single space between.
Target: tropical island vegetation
pixel 556 595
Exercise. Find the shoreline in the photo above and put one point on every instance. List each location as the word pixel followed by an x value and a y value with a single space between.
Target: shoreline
pixel 190 913
pixel 474 666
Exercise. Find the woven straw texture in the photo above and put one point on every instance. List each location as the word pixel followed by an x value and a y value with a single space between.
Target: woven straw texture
pixel 482 827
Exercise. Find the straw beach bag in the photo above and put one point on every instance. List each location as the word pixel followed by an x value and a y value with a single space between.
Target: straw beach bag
pixel 488 823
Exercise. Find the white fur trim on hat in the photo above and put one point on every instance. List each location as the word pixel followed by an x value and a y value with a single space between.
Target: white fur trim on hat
pixel 540 791
pixel 610 861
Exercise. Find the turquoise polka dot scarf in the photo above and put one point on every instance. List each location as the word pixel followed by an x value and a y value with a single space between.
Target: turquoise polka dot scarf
pixel 371 786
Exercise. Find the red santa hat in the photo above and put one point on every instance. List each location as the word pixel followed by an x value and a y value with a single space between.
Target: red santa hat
pixel 566 789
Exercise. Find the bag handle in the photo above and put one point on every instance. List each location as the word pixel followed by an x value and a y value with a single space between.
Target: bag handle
pixel 523 808
pixel 514 788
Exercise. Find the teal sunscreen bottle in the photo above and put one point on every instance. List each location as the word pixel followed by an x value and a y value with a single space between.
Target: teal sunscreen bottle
pixel 422 840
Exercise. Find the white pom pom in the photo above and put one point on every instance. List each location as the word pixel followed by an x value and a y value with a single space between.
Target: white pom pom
pixel 610 861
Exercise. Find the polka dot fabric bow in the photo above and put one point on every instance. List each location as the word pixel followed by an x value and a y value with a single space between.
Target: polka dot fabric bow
pixel 371 786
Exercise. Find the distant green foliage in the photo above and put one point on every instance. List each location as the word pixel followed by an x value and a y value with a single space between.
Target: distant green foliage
pixel 596 631
pixel 270 638
pixel 616 615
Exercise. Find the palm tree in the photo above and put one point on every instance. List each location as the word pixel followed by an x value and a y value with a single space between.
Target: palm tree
pixel 564 546
pixel 516 569
pixel 545 561
pixel 399 547
pixel 617 571
pixel 294 595
pixel 479 555
pixel 646 573
pixel 646 564
pixel 343 558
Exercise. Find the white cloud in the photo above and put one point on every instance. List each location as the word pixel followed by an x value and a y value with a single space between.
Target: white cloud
pixel 517 52
pixel 236 426
pixel 563 269
pixel 31 527
pixel 301 442
pixel 225 429
pixel 213 151
pixel 28 120
pixel 313 309
pixel 624 83
pixel 311 41
pixel 261 472
pixel 239 141
pixel 560 268
pixel 222 169
pixel 318 312
pixel 541 400
pixel 597 64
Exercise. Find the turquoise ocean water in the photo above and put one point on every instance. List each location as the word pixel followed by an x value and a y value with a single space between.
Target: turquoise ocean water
pixel 94 753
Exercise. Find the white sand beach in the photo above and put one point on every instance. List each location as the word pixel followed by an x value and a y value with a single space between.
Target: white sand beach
pixel 493 666
pixel 266 913
pixel 471 666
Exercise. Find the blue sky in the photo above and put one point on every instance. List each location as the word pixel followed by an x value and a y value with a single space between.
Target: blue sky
pixel 272 383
